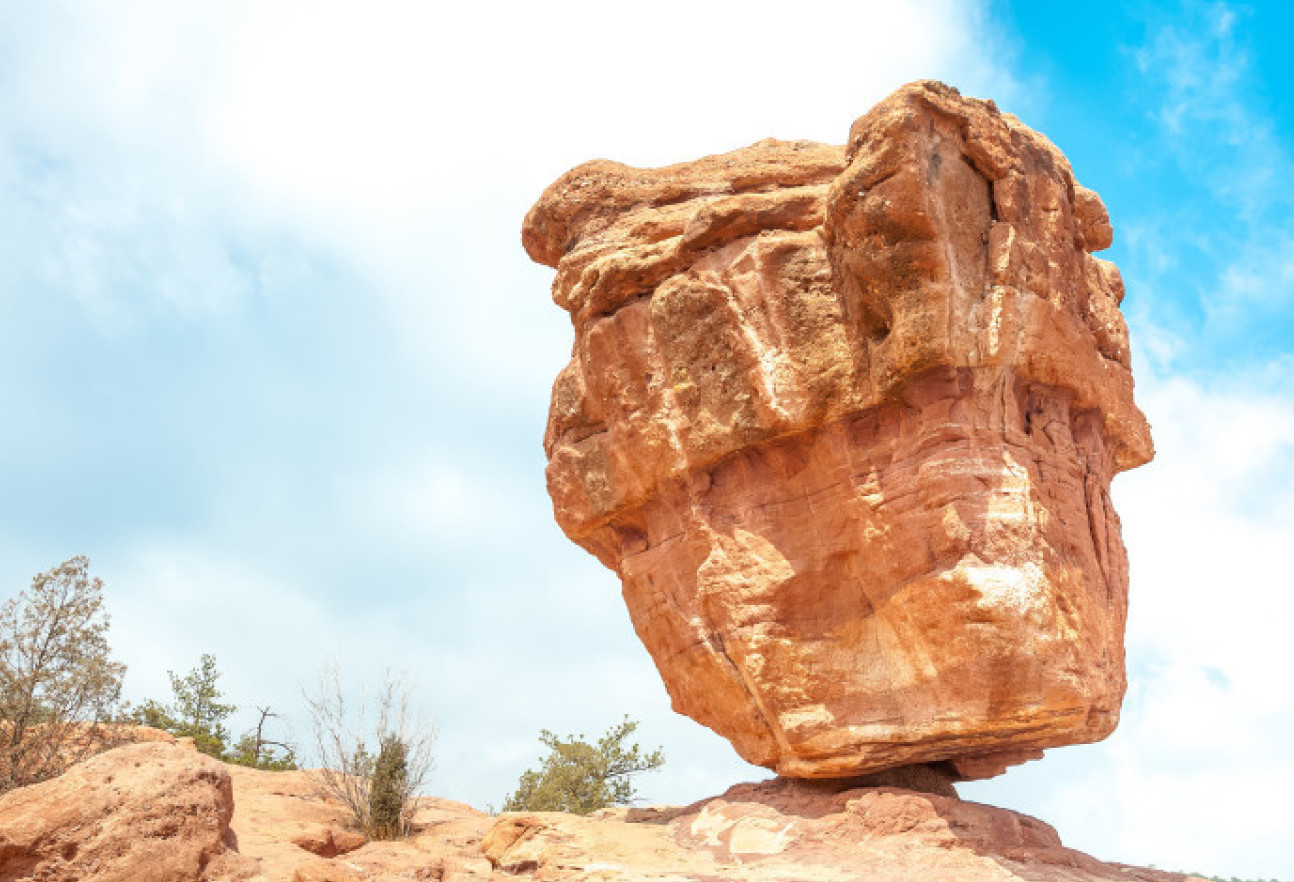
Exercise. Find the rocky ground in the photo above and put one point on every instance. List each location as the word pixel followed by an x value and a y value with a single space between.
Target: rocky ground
pixel 160 812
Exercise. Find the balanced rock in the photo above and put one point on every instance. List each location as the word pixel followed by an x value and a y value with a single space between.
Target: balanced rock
pixel 844 422
pixel 148 812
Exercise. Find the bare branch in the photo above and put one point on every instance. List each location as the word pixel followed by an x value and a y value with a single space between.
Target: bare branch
pixel 347 748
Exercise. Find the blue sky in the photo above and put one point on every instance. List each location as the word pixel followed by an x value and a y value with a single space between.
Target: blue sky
pixel 271 353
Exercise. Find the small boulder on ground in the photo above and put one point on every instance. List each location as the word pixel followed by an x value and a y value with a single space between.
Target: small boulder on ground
pixel 328 842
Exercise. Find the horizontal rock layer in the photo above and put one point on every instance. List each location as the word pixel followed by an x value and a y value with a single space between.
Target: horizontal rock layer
pixel 844 421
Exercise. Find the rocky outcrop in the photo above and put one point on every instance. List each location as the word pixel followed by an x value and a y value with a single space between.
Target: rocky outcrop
pixel 295 833
pixel 844 422
pixel 161 813
pixel 789 829
pixel 150 812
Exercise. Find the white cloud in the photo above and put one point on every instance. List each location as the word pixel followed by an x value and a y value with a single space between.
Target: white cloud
pixel 1223 237
pixel 367 123
pixel 172 600
pixel 105 182
pixel 160 155
pixel 1203 74
pixel 1257 281
pixel 427 498
pixel 413 100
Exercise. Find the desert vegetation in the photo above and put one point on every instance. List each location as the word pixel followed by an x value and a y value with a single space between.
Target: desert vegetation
pixel 60 700
pixel 580 776
pixel 198 712
pixel 60 692
pixel 375 753
pixel 58 681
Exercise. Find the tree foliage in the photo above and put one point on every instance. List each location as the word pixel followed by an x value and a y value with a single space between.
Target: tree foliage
pixel 378 790
pixel 388 789
pixel 254 749
pixel 199 713
pixel 57 678
pixel 580 777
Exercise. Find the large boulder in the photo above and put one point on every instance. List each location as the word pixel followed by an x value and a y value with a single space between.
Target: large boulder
pixel 844 422
pixel 149 812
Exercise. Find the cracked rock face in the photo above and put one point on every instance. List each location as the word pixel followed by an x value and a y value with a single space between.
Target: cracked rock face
pixel 844 422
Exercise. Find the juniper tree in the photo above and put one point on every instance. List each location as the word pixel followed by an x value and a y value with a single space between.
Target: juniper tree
pixel 388 795
pixel 57 678
pixel 580 777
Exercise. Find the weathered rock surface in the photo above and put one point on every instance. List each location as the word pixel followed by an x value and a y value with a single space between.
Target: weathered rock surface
pixel 800 830
pixel 161 813
pixel 152 812
pixel 294 834
pixel 844 421
pixel 773 832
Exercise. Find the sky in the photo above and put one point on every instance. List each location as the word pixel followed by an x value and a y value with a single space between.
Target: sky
pixel 272 356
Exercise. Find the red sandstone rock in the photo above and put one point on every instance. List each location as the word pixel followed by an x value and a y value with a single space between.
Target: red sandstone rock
pixel 150 812
pixel 325 871
pixel 283 821
pixel 844 421
pixel 156 812
pixel 788 829
pixel 329 842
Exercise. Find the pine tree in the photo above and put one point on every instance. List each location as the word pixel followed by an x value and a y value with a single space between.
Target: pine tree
pixel 580 777
pixel 199 713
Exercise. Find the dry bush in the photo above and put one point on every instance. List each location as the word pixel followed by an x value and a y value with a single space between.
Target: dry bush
pixel 375 755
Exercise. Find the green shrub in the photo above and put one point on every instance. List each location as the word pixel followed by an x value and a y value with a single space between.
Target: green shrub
pixel 579 777
pixel 388 790
pixel 378 791
pixel 198 713
pixel 259 752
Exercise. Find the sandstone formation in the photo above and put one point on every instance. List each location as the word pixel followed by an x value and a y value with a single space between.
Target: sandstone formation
pixel 296 834
pixel 150 812
pixel 160 813
pixel 770 832
pixel 800 830
pixel 844 422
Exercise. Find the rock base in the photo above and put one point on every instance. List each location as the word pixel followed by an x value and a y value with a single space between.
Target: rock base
pixel 788 829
